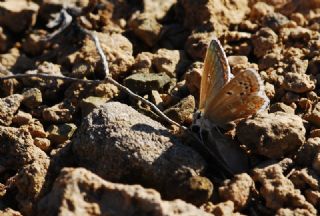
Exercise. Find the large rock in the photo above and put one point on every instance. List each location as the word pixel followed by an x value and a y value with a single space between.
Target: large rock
pixel 88 194
pixel 272 135
pixel 120 144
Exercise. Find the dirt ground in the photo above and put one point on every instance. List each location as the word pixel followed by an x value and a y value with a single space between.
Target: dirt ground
pixel 83 147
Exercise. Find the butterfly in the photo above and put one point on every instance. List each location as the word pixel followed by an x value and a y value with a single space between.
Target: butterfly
pixel 225 98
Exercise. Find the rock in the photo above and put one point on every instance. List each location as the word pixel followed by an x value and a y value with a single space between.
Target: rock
pixel 274 21
pixel 117 48
pixel 298 83
pixel 313 197
pixel 264 41
pixel 33 45
pixel 292 212
pixel 193 78
pixel 235 60
pixel 19 15
pixel 42 143
pixel 308 152
pixel 269 90
pixel 59 113
pixel 145 82
pixel 8 107
pixel 74 186
pixel 32 98
pixel 9 212
pixel 238 190
pixel 259 10
pixel 216 13
pixel 121 144
pixel 171 62
pixel 220 209
pixel 197 44
pixel 31 163
pixel 106 90
pixel 15 61
pixel 156 99
pixel 269 60
pixel 146 28
pixel 60 133
pixel 157 8
pixel 90 103
pixel 272 135
pixel 21 118
pixel 143 63
pixel 314 133
pixel 314 116
pixel 183 111
pixel 278 191
pixel 5 41
pixel 316 163
pixel 35 128
pixel 304 178
pixel 281 107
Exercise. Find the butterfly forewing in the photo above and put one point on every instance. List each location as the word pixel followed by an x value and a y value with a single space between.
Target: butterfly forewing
pixel 216 73
pixel 243 96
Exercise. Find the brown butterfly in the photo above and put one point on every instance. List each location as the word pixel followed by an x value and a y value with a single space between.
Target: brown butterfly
pixel 225 98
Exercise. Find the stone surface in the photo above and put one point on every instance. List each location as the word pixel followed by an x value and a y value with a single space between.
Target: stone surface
pixel 264 41
pixel 32 98
pixel 308 152
pixel 120 144
pixel 146 28
pixel 30 163
pixel 219 14
pixel 298 83
pixel 8 107
pixel 91 195
pixel 193 78
pixel 59 113
pixel 281 107
pixel 171 62
pixel 272 135
pixel 19 15
pixel 145 82
pixel 314 116
pixel 278 191
pixel 183 111
pixel 118 51
pixel 238 190
pixel 60 133
pixel 90 103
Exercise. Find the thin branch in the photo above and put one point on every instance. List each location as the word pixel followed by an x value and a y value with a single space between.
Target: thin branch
pixel 64 19
pixel 121 87
pixel 95 39
pixel 49 76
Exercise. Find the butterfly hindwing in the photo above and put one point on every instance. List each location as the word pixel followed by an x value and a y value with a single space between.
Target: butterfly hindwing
pixel 243 96
pixel 216 72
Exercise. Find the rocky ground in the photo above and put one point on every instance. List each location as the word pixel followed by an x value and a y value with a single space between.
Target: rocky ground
pixel 75 148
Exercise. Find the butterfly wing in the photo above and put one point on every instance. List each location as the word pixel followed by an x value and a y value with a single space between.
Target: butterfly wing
pixel 216 72
pixel 243 96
